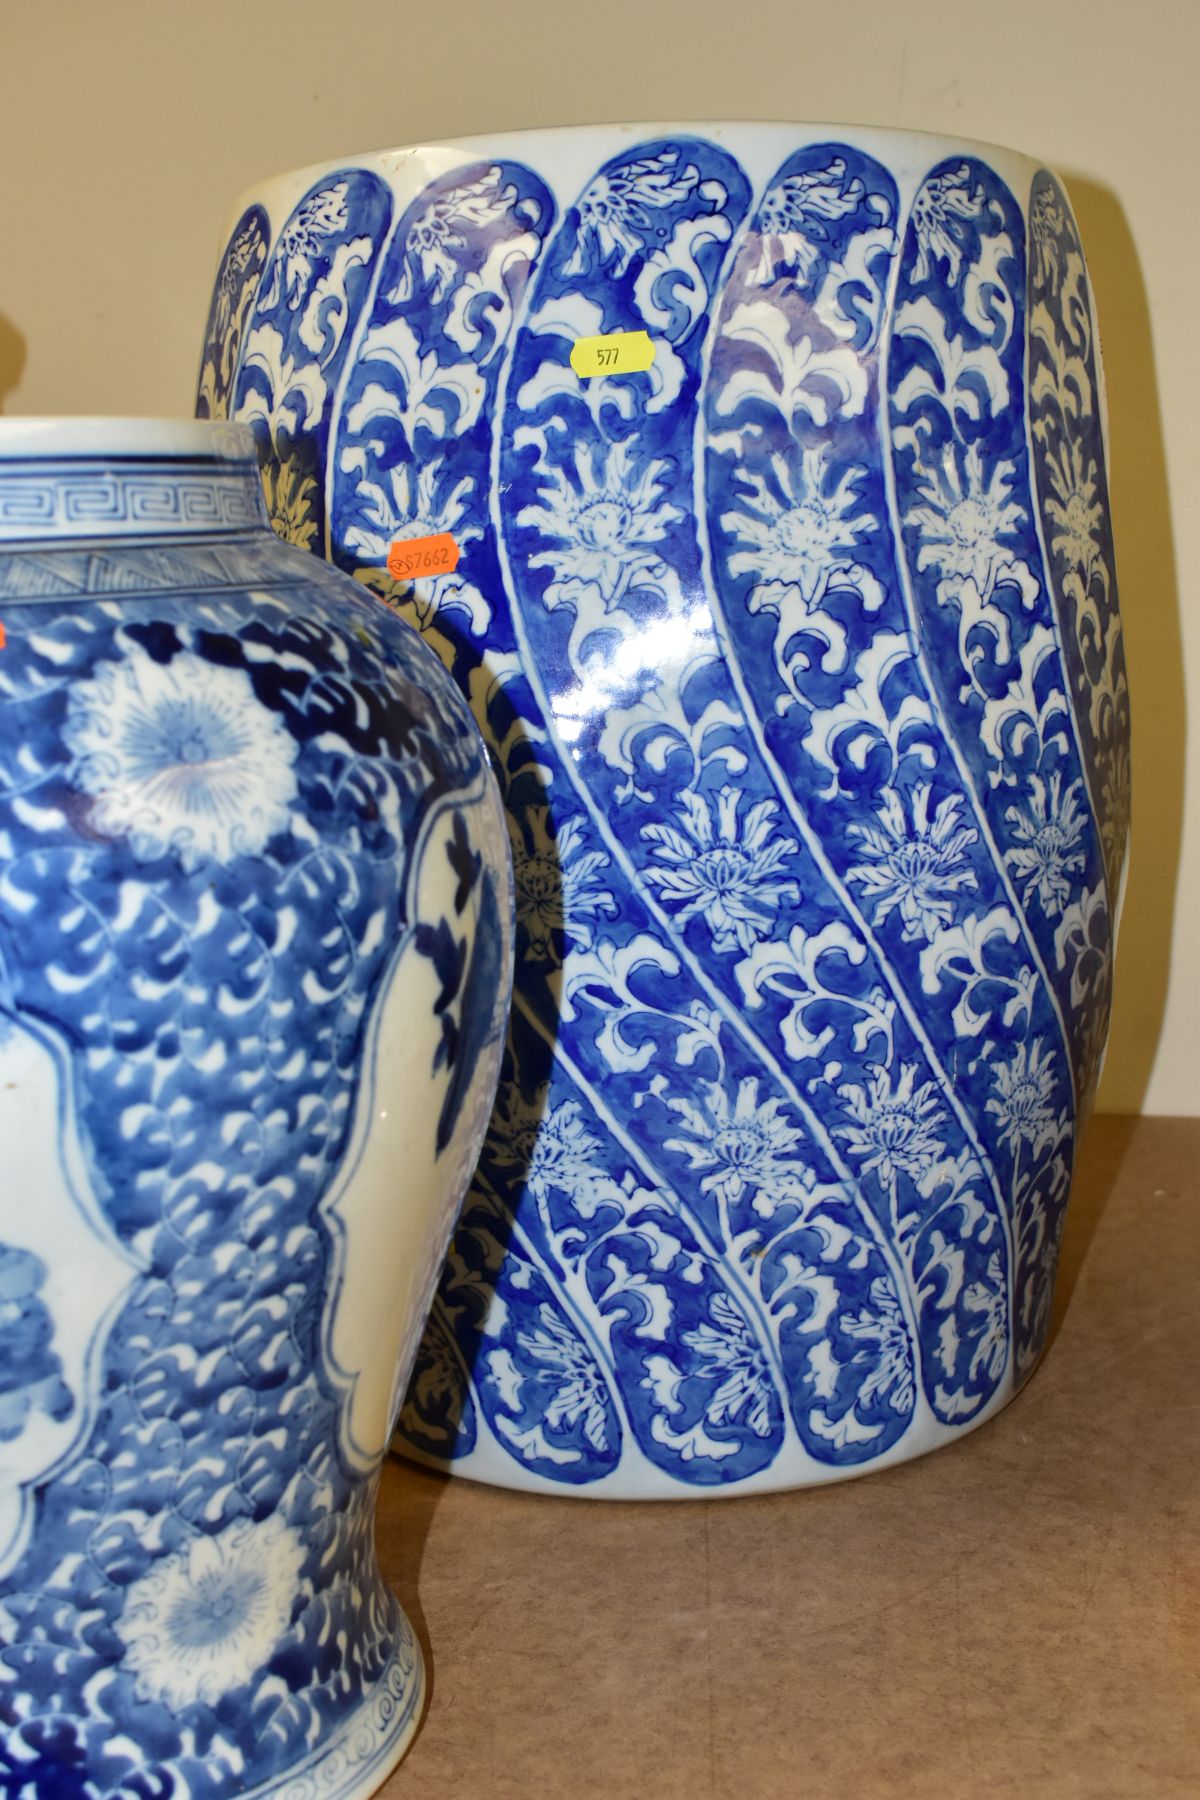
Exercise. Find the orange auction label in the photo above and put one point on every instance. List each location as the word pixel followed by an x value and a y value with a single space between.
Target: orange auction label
pixel 411 559
pixel 613 353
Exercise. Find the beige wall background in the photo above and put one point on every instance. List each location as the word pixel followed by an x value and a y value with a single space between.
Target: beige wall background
pixel 128 129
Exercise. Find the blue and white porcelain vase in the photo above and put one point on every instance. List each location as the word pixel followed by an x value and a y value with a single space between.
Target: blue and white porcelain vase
pixel 799 661
pixel 254 966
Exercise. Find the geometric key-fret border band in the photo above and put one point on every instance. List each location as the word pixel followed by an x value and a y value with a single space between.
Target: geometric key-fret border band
pixel 137 499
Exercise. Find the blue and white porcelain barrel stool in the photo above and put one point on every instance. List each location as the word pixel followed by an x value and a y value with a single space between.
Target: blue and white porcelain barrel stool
pixel 798 655
pixel 254 966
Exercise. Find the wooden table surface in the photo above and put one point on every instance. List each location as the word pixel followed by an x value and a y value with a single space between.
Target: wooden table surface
pixel 1016 1615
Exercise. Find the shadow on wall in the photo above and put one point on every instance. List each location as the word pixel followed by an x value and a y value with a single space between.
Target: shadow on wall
pixel 1149 593
pixel 12 359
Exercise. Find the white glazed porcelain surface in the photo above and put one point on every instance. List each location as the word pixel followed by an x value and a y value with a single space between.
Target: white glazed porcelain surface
pixel 254 966
pixel 799 660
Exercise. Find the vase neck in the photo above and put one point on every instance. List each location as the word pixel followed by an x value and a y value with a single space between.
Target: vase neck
pixel 65 481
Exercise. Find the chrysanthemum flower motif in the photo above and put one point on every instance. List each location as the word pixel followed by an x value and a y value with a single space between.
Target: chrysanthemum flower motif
pixel 553 1152
pixel 1022 1103
pixel 1048 828
pixel 410 508
pixel 894 1131
pixel 790 223
pixel 726 869
pixel 203 1622
pixel 726 1349
pixel 620 212
pixel 944 205
pixel 605 523
pixel 883 1326
pixel 1077 514
pixel 962 517
pixel 320 217
pixel 566 1364
pixel 562 1151
pixel 799 544
pixel 555 880
pixel 742 1148
pixel 439 230
pixel 915 863
pixel 180 757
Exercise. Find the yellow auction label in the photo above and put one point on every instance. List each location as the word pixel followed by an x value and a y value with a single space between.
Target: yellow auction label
pixel 616 353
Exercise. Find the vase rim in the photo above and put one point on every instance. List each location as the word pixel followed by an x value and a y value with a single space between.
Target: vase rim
pixel 493 143
pixel 122 438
